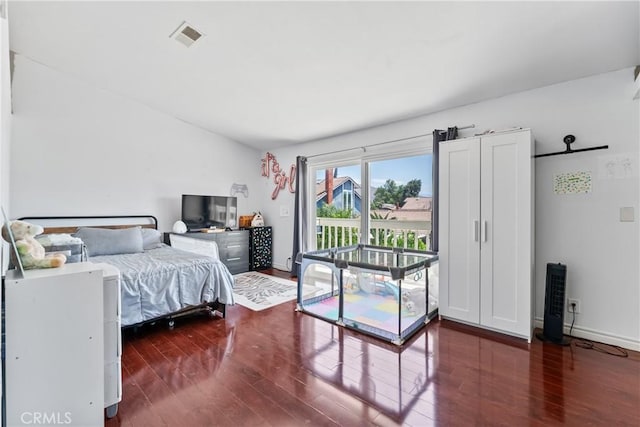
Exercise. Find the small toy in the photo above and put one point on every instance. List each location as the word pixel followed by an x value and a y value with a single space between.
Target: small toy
pixel 257 220
pixel 351 285
pixel 31 252
pixel 376 284
pixel 414 300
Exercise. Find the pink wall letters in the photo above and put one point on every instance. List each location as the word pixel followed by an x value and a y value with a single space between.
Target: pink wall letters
pixel 280 178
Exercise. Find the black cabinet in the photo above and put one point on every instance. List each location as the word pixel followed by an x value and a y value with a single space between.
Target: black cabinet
pixel 260 241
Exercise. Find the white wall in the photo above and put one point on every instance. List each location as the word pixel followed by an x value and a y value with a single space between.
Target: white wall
pixel 5 132
pixel 79 150
pixel 5 127
pixel 582 231
pixel 5 111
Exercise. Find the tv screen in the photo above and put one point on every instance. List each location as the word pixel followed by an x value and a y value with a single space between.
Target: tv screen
pixel 199 211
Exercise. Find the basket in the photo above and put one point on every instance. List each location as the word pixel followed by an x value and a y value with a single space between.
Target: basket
pixel 245 221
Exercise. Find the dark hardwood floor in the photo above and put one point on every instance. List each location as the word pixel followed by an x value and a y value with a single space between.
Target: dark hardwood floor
pixel 282 368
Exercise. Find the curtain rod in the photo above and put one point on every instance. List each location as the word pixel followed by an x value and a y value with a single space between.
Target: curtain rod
pixel 568 140
pixel 364 147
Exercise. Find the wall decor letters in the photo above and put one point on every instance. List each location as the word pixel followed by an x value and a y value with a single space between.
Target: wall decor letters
pixel 280 178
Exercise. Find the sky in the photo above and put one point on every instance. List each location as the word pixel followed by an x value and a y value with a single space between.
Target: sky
pixel 400 170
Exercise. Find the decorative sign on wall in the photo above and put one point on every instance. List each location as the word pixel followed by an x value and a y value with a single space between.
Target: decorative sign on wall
pixel 572 183
pixel 280 179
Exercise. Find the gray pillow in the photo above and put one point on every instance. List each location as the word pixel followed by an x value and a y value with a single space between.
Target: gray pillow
pixel 151 238
pixel 103 241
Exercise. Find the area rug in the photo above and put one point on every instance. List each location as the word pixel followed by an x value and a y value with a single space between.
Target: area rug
pixel 258 291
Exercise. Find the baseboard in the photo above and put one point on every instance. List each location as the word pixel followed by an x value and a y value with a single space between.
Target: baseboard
pixel 594 335
pixel 280 267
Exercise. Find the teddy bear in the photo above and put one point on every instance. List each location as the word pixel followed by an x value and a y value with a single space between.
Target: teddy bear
pixel 31 252
pixel 414 301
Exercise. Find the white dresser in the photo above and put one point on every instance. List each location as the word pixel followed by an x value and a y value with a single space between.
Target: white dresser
pixel 54 346
pixel 63 345
pixel 112 339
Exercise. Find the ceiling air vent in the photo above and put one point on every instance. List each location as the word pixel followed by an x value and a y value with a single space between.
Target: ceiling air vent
pixel 186 34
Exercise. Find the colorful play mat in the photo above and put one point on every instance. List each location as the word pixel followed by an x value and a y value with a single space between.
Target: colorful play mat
pixel 378 311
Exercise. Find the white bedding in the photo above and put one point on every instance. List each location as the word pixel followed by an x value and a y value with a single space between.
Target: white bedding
pixel 160 281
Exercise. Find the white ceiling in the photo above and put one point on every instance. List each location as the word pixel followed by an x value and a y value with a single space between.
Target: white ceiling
pixel 275 73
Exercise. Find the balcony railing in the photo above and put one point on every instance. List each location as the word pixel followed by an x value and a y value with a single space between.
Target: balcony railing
pixel 332 232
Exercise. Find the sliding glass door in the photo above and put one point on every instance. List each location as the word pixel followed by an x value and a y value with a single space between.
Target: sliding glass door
pixel 400 212
pixel 390 200
pixel 383 200
pixel 400 202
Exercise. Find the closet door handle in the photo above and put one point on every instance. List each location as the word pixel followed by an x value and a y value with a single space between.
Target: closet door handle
pixel 476 230
pixel 484 231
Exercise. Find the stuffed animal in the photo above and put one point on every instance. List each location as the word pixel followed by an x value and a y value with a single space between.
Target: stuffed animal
pixel 414 301
pixel 257 220
pixel 31 252
pixel 351 286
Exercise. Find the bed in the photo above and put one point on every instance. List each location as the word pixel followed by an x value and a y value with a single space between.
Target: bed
pixel 157 281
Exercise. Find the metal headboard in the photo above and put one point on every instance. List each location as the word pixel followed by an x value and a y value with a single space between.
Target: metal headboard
pixel 70 224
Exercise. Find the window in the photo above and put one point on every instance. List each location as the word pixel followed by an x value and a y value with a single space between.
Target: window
pixel 387 195
pixel 347 199
pixel 400 202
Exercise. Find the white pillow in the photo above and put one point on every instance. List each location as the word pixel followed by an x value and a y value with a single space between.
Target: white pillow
pixel 104 241
pixel 151 238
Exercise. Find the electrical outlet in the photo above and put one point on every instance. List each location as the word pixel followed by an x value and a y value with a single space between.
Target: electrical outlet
pixel 570 305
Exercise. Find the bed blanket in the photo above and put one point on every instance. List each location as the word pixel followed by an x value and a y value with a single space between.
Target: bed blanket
pixel 160 281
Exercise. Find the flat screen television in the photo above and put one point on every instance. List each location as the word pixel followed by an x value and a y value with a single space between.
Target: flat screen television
pixel 200 211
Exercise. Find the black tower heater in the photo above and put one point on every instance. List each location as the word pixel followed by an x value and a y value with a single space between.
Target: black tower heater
pixel 553 328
